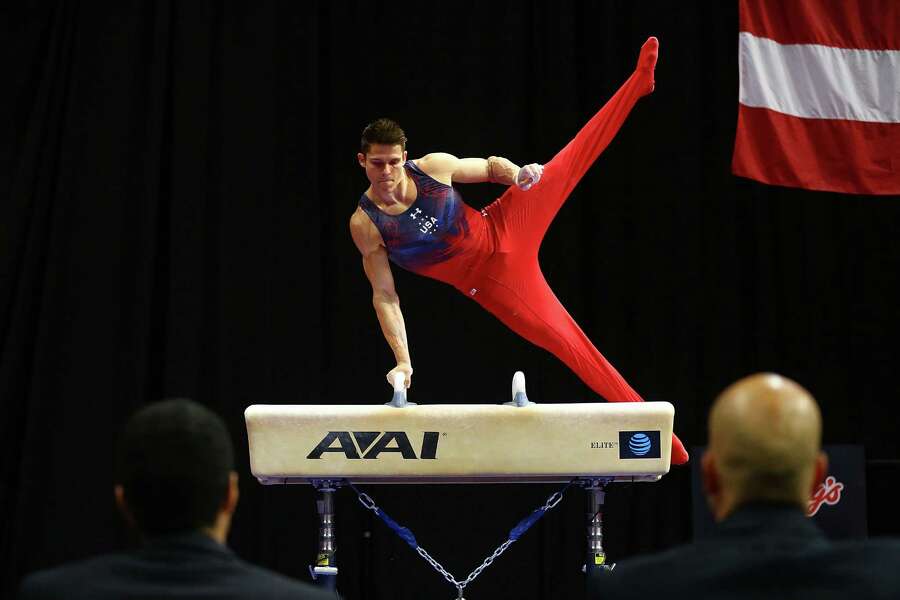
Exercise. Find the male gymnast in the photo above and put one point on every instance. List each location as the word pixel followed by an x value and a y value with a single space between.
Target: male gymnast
pixel 412 215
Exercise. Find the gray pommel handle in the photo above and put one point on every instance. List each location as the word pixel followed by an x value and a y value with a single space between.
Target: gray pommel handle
pixel 519 397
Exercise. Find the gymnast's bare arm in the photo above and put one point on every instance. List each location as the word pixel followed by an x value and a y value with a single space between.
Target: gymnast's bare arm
pixel 449 169
pixel 384 296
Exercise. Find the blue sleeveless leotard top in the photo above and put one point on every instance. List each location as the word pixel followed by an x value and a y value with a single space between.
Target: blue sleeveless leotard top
pixel 429 231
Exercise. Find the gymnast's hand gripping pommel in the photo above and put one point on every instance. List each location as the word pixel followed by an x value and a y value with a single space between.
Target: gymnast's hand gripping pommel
pixel 399 398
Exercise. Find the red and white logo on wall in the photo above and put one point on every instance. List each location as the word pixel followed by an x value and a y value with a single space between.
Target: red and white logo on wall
pixel 828 492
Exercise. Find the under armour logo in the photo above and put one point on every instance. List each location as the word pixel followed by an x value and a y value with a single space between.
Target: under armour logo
pixel 426 222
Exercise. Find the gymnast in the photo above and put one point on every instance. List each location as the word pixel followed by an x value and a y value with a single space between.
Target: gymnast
pixel 412 216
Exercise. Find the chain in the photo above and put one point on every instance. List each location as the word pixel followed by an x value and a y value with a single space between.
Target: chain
pixel 555 499
pixel 439 568
pixel 366 501
pixel 551 502
pixel 487 562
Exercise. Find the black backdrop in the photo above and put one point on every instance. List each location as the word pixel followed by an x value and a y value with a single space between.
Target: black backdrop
pixel 177 180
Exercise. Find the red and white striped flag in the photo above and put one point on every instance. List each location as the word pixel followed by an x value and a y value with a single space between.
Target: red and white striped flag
pixel 820 94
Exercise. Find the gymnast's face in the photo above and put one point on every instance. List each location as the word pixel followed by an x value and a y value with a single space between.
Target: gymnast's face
pixel 384 166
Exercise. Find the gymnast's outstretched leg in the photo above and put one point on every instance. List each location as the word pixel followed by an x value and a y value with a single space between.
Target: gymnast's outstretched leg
pixel 526 304
pixel 521 217
pixel 514 289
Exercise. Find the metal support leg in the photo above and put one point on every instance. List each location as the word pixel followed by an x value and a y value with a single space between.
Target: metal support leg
pixel 596 556
pixel 324 573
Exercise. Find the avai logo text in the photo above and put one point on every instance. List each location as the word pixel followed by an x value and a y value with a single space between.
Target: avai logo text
pixel 370 444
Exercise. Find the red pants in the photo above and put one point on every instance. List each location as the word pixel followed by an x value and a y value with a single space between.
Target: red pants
pixel 509 283
pixel 513 288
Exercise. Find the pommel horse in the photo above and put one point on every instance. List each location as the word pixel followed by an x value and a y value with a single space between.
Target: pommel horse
pixel 588 444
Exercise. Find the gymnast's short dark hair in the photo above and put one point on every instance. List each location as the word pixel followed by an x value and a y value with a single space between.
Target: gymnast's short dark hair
pixel 382 131
pixel 174 461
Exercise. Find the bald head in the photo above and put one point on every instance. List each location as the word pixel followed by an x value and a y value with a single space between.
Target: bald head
pixel 765 434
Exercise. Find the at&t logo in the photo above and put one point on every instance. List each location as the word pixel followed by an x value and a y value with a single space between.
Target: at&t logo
pixel 639 444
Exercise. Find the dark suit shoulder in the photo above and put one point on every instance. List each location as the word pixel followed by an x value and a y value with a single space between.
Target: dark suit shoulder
pixel 52 583
pixel 276 585
pixel 143 575
pixel 640 575
pixel 757 568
